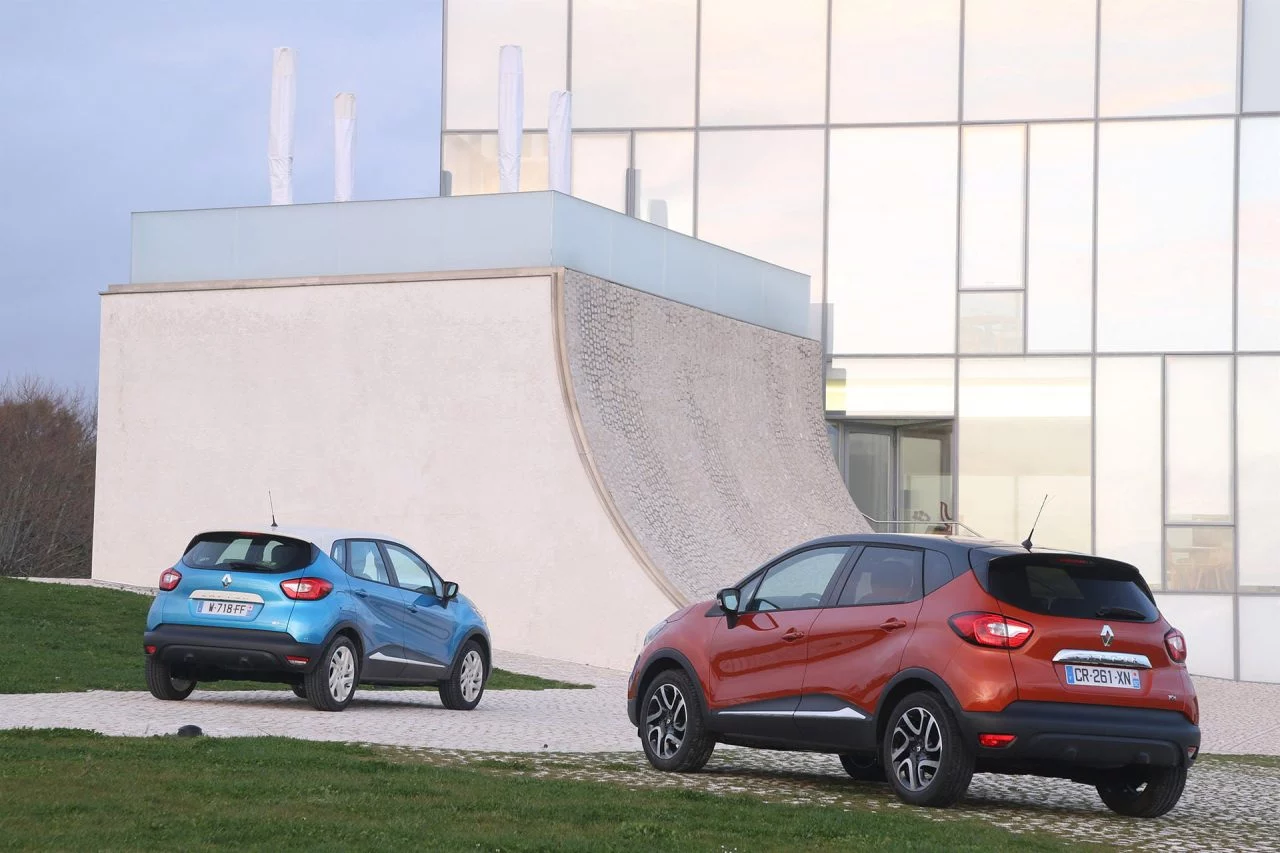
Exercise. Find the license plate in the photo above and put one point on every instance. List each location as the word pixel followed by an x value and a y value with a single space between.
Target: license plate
pixel 1104 676
pixel 225 608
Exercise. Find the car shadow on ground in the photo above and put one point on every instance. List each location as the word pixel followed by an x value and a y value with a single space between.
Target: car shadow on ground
pixel 836 784
pixel 286 699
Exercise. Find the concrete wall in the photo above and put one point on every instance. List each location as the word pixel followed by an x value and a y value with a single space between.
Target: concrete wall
pixel 432 410
pixel 580 456
pixel 707 432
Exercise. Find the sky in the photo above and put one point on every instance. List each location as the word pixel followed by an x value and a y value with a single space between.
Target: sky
pixel 114 106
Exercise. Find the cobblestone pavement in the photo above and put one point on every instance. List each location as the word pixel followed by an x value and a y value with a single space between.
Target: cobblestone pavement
pixel 1229 805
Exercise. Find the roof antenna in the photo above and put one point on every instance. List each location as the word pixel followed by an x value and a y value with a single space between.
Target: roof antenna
pixel 1026 543
pixel 273 510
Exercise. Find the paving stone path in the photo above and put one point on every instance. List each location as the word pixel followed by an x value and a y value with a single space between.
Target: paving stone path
pixel 1229 805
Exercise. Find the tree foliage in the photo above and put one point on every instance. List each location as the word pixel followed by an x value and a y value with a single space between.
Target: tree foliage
pixel 47 450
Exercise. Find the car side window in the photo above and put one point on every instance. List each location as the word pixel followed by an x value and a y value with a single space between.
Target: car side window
pixel 412 571
pixel 338 553
pixel 937 571
pixel 884 576
pixel 798 582
pixel 748 589
pixel 366 562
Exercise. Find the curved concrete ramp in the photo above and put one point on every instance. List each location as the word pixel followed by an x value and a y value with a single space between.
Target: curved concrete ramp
pixel 705 432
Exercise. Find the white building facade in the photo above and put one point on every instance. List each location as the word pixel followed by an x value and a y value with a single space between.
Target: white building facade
pixel 1043 238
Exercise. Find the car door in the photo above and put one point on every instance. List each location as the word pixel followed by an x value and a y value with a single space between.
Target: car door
pixel 856 644
pixel 757 656
pixel 429 622
pixel 378 606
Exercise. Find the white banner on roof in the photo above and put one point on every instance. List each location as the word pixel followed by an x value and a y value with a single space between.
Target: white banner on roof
pixel 560 142
pixel 344 145
pixel 280 133
pixel 510 116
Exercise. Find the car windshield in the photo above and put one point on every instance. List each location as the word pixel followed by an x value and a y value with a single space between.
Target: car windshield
pixel 1078 587
pixel 250 552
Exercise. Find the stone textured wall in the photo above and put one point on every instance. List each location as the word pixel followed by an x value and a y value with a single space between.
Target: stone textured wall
pixel 707 432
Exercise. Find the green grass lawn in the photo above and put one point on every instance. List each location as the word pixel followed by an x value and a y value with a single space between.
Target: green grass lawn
pixel 86 638
pixel 1270 761
pixel 61 790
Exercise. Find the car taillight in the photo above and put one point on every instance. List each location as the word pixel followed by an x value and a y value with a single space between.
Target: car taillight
pixel 1177 645
pixel 991 629
pixel 169 579
pixel 306 589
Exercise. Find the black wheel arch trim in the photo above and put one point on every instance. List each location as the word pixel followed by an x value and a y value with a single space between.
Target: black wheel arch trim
pixel 347 626
pixel 935 681
pixel 487 648
pixel 663 655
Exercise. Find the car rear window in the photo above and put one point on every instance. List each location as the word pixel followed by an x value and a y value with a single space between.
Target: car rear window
pixel 1076 587
pixel 247 552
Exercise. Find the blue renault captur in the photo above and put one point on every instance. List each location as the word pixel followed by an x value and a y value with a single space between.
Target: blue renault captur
pixel 320 610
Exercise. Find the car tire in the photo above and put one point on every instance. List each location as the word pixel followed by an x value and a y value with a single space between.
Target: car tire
pixel 925 756
pixel 462 690
pixel 162 683
pixel 299 690
pixel 863 767
pixel 672 728
pixel 331 684
pixel 1151 797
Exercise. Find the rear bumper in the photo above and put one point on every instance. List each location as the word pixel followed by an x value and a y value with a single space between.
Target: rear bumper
pixel 212 653
pixel 1086 736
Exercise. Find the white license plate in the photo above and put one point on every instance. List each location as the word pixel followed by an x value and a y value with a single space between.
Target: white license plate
pixel 225 608
pixel 1104 676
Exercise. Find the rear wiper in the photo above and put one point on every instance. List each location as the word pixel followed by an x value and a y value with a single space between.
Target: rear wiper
pixel 1121 613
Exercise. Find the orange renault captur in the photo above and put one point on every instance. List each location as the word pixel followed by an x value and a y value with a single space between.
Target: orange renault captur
pixel 925 659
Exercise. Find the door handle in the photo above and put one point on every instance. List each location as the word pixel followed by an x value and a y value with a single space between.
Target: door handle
pixel 361 593
pixel 792 635
pixel 412 609
pixel 892 624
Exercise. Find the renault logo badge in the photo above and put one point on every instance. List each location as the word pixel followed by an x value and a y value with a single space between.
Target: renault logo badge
pixel 1107 636
pixel 226 582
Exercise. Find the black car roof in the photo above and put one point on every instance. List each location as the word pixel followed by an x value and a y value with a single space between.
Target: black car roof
pixel 958 546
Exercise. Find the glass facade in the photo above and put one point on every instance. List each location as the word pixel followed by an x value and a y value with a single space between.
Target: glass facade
pixel 1029 59
pixel 1060 238
pixel 634 62
pixel 475 31
pixel 893 222
pixel 1025 439
pixel 914 45
pixel 1257 308
pixel 741 172
pixel 1041 236
pixel 1165 193
pixel 993 201
pixel 1128 463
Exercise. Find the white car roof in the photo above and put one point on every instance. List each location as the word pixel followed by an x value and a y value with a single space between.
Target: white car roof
pixel 322 537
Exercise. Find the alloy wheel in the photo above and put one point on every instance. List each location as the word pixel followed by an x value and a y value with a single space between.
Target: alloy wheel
pixel 667 720
pixel 342 673
pixel 916 749
pixel 472 678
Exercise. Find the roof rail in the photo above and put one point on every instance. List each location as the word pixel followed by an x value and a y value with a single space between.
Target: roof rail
pixel 943 528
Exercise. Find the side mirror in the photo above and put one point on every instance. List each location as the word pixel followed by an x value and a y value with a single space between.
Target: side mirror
pixel 450 590
pixel 728 600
